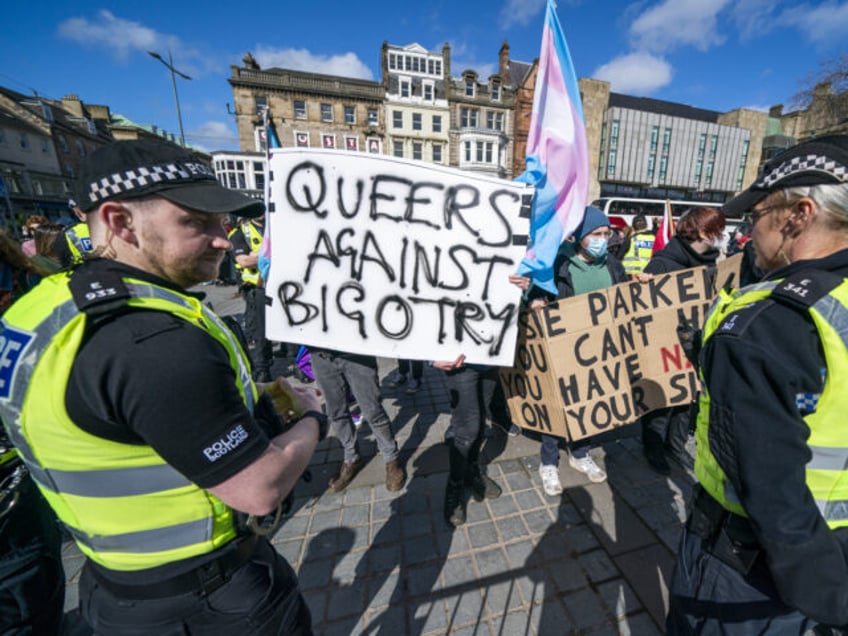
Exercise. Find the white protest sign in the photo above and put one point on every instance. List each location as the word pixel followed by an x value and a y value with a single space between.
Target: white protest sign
pixel 380 256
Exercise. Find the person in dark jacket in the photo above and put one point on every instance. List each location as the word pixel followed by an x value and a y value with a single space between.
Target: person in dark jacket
pixel 697 242
pixel 581 266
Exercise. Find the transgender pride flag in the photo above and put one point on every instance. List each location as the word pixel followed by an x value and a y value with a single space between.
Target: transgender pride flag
pixel 557 156
pixel 271 141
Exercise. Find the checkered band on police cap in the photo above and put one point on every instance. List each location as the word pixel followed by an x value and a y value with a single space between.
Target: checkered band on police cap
pixel 829 167
pixel 129 169
pixel 144 179
pixel 820 161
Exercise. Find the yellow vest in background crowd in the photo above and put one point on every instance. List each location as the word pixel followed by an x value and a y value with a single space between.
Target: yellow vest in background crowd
pixel 79 241
pixel 249 275
pixel 826 473
pixel 639 253
pixel 124 505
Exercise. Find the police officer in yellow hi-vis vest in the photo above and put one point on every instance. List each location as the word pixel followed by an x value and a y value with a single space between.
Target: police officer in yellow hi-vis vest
pixel 641 248
pixel 765 547
pixel 74 244
pixel 132 406
pixel 246 238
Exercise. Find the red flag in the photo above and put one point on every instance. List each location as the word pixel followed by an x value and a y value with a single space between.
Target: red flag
pixel 666 229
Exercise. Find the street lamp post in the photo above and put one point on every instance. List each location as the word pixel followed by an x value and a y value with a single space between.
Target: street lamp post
pixel 174 72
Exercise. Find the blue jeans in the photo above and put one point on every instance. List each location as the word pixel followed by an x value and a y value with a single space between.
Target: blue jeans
pixel 550 449
pixel 334 373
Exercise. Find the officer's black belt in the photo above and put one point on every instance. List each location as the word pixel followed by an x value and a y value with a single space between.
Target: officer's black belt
pixel 202 580
pixel 727 536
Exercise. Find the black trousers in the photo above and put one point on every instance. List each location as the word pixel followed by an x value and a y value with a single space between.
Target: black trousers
pixel 261 355
pixel 32 581
pixel 261 598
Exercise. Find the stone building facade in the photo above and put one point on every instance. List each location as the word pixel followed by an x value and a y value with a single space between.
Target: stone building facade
pixel 481 124
pixel 308 109
pixel 417 116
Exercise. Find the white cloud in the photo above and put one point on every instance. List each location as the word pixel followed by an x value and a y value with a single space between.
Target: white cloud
pixel 674 23
pixel 344 65
pixel 822 25
pixel 123 38
pixel 753 17
pixel 639 73
pixel 519 13
pixel 120 36
pixel 213 135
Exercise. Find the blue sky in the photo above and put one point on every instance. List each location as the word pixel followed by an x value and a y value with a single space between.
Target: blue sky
pixel 714 54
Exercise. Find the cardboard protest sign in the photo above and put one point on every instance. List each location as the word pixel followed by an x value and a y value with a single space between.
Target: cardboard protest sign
pixel 603 359
pixel 376 255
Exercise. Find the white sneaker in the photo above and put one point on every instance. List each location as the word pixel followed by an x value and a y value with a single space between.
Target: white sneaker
pixel 550 480
pixel 588 466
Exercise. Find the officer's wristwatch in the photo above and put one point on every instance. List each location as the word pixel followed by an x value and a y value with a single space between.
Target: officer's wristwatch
pixel 323 422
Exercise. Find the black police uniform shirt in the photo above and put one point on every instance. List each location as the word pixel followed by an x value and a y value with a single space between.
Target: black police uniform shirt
pixel 753 372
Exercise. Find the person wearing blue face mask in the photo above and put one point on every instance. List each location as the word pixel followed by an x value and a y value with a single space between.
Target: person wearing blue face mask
pixel 582 265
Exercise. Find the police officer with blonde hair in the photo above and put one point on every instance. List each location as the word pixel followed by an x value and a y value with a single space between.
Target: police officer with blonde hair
pixel 765 547
pixel 132 406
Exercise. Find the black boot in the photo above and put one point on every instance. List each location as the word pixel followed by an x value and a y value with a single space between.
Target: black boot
pixel 480 484
pixel 455 490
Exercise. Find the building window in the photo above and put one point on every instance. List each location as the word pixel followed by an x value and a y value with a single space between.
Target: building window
pixel 326 112
pixel 428 92
pixel 397 148
pixel 232 174
pixel 611 163
pixel 416 121
pixel 352 143
pixel 404 88
pixel 614 134
pixel 479 155
pixel 328 141
pixel 374 146
pixel 301 139
pixel 494 120
pixel 713 146
pixel 702 144
pixel 469 87
pixel 373 117
pixel 652 160
pixel 666 143
pixel 437 153
pixel 699 167
pixel 407 66
pixel 489 152
pixel 259 174
pixel 391 60
pixel 350 115
pixel 710 167
pixel 417 148
pixel 397 119
pixel 468 117
pixel 431 68
pixel 438 67
pixel 299 109
pixel 466 148
pixel 739 177
pixel 437 123
pixel 261 104
pixel 655 138
pixel 496 91
pixel 663 166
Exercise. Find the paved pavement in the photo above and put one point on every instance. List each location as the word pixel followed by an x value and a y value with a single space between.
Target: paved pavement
pixel 596 560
